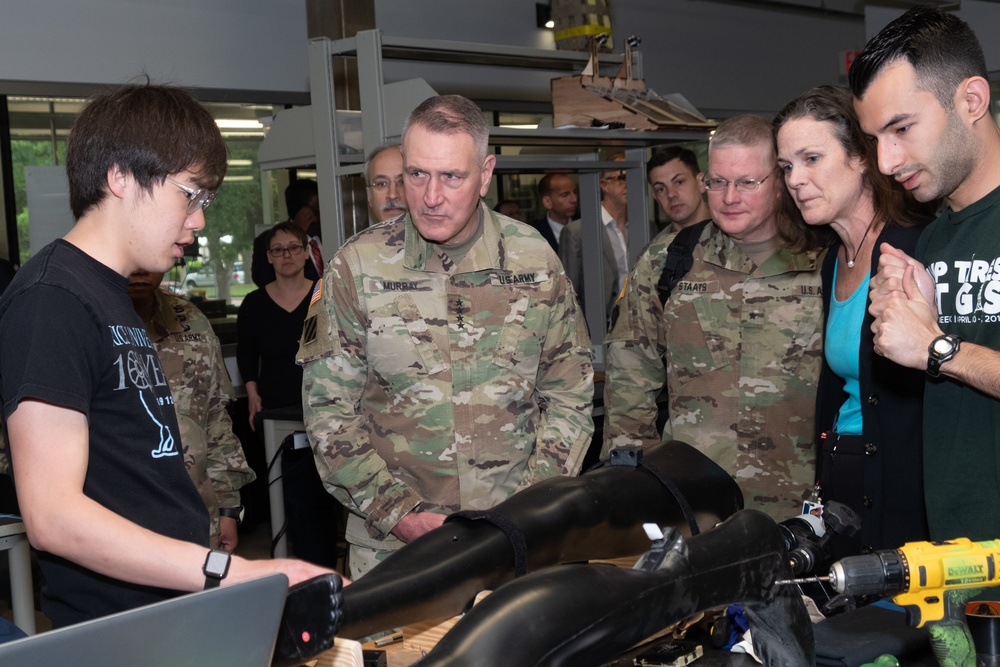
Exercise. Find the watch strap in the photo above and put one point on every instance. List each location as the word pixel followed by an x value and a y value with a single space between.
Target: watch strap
pixel 935 358
pixel 235 513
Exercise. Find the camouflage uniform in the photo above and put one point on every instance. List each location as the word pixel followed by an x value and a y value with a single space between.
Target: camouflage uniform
pixel 740 349
pixel 192 361
pixel 444 386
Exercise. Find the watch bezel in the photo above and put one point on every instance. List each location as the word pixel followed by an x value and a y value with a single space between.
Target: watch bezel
pixel 935 358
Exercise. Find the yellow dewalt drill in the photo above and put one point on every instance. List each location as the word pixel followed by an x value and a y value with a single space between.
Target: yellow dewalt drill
pixel 932 581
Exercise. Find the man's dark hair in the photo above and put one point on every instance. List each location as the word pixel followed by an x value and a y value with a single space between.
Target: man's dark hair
pixel 941 48
pixel 298 194
pixel 545 184
pixel 149 132
pixel 671 153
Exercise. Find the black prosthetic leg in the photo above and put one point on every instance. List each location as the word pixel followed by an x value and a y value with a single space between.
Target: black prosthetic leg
pixel 581 615
pixel 595 516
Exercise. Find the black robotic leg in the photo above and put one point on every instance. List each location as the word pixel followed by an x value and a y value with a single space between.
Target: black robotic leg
pixel 595 516
pixel 581 615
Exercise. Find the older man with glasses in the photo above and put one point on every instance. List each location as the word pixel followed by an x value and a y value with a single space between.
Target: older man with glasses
pixel 384 175
pixel 737 342
pixel 614 241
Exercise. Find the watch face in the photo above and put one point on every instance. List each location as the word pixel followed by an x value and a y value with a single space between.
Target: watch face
pixel 217 563
pixel 943 346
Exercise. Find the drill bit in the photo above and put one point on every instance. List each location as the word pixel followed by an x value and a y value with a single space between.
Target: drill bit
pixel 804 580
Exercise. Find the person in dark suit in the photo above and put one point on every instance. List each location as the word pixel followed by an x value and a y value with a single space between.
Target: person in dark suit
pixel 560 197
pixel 302 203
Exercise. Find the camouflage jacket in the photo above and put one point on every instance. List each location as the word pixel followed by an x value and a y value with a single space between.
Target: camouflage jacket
pixel 192 361
pixel 442 385
pixel 740 349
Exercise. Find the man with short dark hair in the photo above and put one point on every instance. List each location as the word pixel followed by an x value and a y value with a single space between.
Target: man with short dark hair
pixel 384 181
pixel 92 434
pixel 560 197
pixel 302 204
pixel 921 89
pixel 676 180
pixel 446 365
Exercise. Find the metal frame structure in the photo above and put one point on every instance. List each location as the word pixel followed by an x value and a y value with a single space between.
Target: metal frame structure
pixel 370 48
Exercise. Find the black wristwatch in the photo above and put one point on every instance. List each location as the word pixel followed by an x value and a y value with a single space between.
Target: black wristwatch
pixel 233 513
pixel 216 567
pixel 939 351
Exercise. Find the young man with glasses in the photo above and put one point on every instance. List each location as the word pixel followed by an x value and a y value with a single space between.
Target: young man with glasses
pixel 738 343
pixel 92 435
pixel 384 175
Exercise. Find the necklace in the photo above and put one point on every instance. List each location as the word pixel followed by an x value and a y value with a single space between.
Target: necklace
pixel 850 262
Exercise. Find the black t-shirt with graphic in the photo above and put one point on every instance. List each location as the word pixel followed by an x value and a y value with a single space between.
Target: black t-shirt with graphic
pixel 70 336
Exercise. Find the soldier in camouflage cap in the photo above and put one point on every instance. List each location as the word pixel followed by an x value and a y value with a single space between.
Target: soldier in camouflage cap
pixel 446 362
pixel 738 343
pixel 192 361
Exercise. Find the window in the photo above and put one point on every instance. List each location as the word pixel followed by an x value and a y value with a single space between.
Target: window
pixel 218 267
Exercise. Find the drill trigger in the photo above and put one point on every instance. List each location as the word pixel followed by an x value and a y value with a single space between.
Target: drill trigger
pixel 912 615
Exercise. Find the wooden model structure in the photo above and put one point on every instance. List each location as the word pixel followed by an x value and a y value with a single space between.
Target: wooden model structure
pixel 582 99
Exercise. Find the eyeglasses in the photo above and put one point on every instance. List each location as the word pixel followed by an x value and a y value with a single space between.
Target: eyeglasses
pixel 742 184
pixel 292 250
pixel 197 199
pixel 382 184
pixel 616 177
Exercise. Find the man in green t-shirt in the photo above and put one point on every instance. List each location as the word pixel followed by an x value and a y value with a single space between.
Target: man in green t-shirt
pixel 921 90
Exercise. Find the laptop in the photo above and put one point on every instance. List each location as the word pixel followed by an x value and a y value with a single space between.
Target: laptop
pixel 233 626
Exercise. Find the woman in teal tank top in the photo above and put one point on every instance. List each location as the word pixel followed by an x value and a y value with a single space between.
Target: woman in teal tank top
pixel 868 409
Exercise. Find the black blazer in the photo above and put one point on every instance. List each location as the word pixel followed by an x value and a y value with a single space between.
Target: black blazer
pixel 891 504
pixel 543 228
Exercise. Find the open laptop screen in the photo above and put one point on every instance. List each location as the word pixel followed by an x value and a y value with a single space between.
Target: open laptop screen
pixel 232 626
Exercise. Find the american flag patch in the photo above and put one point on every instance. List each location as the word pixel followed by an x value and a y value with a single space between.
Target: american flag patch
pixel 317 293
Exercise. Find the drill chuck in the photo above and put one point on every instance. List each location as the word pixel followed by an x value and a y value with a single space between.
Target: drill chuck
pixel 880 573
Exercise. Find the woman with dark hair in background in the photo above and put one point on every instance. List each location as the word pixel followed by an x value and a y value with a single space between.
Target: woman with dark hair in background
pixel 269 325
pixel 868 409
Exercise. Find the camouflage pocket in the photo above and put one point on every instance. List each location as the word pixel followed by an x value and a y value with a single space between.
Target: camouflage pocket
pixel 519 346
pixel 697 336
pixel 799 326
pixel 401 345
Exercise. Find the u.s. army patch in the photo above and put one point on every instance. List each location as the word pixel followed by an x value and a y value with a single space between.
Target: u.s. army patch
pixel 532 277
